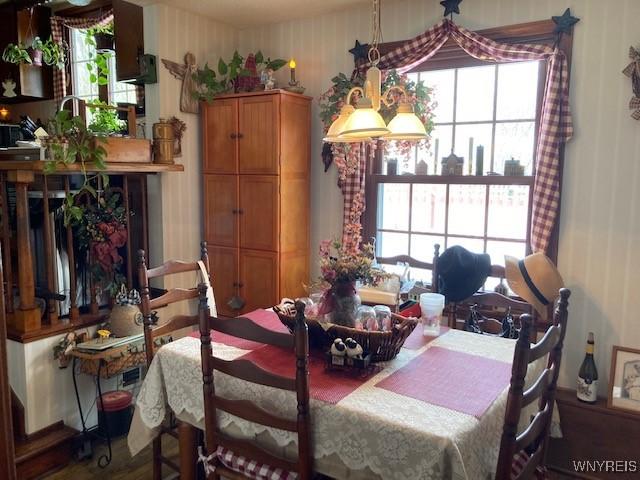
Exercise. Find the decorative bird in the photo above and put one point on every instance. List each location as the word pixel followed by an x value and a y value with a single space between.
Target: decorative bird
pixel 633 71
pixel 185 72
pixel 354 350
pixel 338 348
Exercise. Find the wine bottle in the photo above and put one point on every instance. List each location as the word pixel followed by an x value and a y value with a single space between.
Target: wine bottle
pixel 588 376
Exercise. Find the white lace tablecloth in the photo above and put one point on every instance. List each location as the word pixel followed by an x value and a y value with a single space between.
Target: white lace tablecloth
pixel 371 433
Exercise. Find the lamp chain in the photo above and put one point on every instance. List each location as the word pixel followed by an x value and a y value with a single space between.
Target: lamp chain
pixel 376 34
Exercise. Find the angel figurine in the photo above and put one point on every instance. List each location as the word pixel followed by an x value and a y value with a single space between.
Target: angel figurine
pixel 188 103
pixel 633 71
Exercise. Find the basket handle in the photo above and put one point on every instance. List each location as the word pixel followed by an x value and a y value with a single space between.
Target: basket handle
pixel 404 321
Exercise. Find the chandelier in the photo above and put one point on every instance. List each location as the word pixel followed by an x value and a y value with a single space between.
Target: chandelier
pixel 364 121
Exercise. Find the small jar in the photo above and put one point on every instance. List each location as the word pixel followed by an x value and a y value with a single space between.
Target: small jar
pixel 383 316
pixel 366 318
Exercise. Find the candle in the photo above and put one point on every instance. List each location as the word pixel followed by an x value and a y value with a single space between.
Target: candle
pixel 292 66
pixel 435 156
pixel 470 155
pixel 4 113
pixel 479 160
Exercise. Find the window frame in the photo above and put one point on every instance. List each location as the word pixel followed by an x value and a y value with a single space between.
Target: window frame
pixel 452 56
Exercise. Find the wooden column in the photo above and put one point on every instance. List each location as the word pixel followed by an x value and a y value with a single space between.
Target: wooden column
pixel 6 246
pixel 27 316
pixel 74 312
pixel 7 455
pixel 50 255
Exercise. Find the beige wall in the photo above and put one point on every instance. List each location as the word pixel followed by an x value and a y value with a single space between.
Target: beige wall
pixel 175 203
pixel 600 228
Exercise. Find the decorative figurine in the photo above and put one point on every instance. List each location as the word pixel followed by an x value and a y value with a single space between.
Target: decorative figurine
pixel 184 72
pixel 354 350
pixel 452 165
pixel 9 87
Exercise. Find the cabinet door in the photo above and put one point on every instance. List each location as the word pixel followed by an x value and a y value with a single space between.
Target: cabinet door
pixel 259 128
pixel 219 132
pixel 221 210
pixel 258 279
pixel 259 212
pixel 224 276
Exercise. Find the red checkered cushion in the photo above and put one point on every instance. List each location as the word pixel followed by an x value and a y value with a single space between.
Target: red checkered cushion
pixel 520 461
pixel 251 468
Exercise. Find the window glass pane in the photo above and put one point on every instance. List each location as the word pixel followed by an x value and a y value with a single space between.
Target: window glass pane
pixel 472 244
pixel 508 208
pixel 390 244
pixel 475 93
pixel 421 275
pixel 481 134
pixel 440 147
pixel 517 90
pixel 497 251
pixel 466 209
pixel 404 156
pixel 422 246
pixel 442 82
pixel 428 208
pixel 393 206
pixel 514 140
pixel 80 50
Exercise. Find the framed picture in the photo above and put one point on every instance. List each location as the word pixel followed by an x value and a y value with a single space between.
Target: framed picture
pixel 624 380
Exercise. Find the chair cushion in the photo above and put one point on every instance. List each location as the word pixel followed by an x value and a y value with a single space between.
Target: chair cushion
pixel 252 469
pixel 520 461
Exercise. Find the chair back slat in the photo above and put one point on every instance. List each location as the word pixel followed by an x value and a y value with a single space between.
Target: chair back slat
pixel 172 267
pixel 537 389
pixel 433 266
pixel 531 435
pixel 546 344
pixel 495 299
pixel 258 454
pixel 245 328
pixel 535 437
pixel 251 412
pixel 174 295
pixel 177 322
pixel 250 372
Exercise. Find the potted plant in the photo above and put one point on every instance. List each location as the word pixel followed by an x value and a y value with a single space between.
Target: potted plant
pixel 53 54
pixel 104 121
pixel 16 53
pixel 35 51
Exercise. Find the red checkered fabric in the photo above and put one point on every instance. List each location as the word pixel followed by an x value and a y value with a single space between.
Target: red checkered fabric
pixel 57 24
pixel 251 468
pixel 555 121
pixel 352 188
pixel 520 460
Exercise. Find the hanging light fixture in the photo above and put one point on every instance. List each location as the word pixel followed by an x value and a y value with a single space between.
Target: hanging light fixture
pixel 365 121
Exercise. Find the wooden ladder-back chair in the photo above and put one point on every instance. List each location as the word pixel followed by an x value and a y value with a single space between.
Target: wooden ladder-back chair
pixel 152 331
pixel 522 455
pixel 412 262
pixel 221 449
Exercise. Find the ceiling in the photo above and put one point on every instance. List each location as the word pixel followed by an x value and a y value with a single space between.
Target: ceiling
pixel 245 13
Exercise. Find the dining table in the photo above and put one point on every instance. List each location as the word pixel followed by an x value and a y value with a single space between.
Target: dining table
pixel 435 411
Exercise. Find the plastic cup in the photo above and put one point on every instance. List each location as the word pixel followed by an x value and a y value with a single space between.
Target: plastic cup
pixel 431 307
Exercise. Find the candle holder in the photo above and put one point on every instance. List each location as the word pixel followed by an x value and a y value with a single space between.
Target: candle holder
pixel 294 85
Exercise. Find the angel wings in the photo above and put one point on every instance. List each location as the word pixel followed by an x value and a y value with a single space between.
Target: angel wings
pixel 633 70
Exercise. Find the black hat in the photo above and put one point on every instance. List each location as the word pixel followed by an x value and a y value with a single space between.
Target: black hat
pixel 462 272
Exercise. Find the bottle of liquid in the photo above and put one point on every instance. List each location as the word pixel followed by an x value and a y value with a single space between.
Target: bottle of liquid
pixel 588 376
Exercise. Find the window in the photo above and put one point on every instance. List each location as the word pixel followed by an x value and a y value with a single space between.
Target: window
pixel 490 106
pixel 81 55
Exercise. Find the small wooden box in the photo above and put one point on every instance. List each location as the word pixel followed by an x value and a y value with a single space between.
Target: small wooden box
pixel 126 150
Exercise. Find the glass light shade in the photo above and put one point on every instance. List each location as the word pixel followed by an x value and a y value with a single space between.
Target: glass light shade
pixel 336 128
pixel 364 122
pixel 406 125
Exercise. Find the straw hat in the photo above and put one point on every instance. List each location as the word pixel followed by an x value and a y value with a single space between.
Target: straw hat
pixel 535 278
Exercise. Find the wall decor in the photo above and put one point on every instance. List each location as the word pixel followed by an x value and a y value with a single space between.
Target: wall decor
pixel 185 72
pixel 633 71
pixel 624 379
pixel 179 127
pixel 9 88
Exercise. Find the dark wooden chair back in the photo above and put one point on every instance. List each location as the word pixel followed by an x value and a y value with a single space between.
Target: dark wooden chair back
pixel 531 443
pixel 433 266
pixel 172 295
pixel 250 372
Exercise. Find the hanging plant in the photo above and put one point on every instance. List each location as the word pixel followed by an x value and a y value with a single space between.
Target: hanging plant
pixel 98 65
pixel 47 52
pixel 70 142
pixel 16 53
pixel 418 94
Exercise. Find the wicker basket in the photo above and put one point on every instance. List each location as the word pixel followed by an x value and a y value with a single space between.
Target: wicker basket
pixel 382 346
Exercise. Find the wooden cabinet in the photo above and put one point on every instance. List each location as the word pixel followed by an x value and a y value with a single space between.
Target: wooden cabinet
pixel 256 154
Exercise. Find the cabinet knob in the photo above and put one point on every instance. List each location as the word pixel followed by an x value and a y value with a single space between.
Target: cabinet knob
pixel 241 211
pixel 234 135
pixel 235 211
pixel 240 135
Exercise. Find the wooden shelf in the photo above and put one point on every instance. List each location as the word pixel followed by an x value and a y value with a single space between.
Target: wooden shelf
pixel 455 179
pixel 64 326
pixel 38 167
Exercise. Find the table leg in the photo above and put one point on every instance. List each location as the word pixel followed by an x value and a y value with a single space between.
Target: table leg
pixel 188 439
pixel 104 460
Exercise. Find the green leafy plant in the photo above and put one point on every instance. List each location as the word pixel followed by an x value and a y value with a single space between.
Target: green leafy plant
pixel 104 121
pixel 70 142
pixel 53 54
pixel 211 83
pixel 16 53
pixel 99 65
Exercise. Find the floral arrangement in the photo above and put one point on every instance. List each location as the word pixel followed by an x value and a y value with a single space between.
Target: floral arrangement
pixel 418 94
pixel 341 264
pixel 102 230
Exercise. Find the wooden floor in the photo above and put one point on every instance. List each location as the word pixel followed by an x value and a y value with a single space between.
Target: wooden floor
pixel 122 466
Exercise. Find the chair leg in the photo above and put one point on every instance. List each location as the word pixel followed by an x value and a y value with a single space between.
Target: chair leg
pixel 187 439
pixel 157 453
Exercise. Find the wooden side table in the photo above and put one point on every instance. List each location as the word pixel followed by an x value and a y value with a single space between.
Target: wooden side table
pixel 102 365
